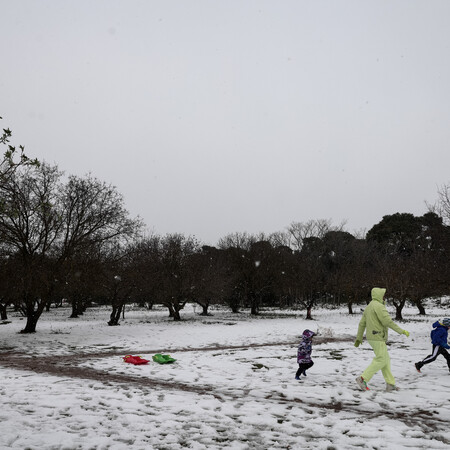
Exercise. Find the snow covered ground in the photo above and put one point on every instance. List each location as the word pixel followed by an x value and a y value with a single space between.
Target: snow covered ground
pixel 232 386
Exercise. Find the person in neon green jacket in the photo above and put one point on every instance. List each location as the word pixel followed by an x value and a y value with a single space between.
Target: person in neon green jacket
pixel 376 321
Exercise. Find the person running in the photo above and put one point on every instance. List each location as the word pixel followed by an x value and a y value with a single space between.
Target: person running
pixel 304 354
pixel 439 337
pixel 376 321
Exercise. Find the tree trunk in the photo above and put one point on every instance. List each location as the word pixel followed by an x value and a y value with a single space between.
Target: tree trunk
pixel 4 316
pixel 30 326
pixel 398 311
pixel 74 314
pixel 33 309
pixel 421 308
pixel 50 295
pixel 308 313
pixel 176 316
pixel 350 307
pixel 115 315
pixel 204 309
pixel 234 304
pixel 174 310
pixel 78 308
pixel 254 305
pixel 58 303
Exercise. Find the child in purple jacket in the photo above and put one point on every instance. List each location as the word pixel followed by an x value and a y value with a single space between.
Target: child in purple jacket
pixel 304 354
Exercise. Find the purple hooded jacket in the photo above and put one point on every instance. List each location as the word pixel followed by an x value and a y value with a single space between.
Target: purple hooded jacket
pixel 305 347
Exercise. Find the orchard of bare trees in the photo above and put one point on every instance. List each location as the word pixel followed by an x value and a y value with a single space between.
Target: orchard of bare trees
pixel 71 238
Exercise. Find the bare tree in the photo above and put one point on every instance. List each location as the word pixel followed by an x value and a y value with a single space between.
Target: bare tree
pixel 12 158
pixel 208 271
pixel 48 223
pixel 318 228
pixel 92 214
pixel 145 254
pixel 29 226
pixel 280 239
pixel 175 280
pixel 237 240
pixel 118 278
pixel 442 206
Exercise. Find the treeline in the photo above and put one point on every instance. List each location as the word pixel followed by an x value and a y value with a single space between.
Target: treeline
pixel 71 238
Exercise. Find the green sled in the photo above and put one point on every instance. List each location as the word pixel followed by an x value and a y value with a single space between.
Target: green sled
pixel 163 359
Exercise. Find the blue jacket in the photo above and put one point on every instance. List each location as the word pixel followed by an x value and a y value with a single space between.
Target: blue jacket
pixel 439 335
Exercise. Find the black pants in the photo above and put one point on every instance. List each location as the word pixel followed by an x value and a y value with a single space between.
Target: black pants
pixel 302 367
pixel 435 352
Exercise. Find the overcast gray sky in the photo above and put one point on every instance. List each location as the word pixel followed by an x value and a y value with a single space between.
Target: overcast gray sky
pixel 215 117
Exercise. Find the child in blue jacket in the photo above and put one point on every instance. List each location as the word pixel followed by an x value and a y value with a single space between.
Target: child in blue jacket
pixel 439 337
pixel 304 353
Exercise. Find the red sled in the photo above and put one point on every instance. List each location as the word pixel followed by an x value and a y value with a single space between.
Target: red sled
pixel 136 360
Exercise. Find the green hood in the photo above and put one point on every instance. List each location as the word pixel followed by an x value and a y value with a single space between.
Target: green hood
pixel 378 294
pixel 375 320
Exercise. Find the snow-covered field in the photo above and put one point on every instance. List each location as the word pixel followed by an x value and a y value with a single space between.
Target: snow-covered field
pixel 231 387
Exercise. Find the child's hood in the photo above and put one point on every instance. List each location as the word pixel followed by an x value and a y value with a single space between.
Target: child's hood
pixel 308 334
pixel 439 323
